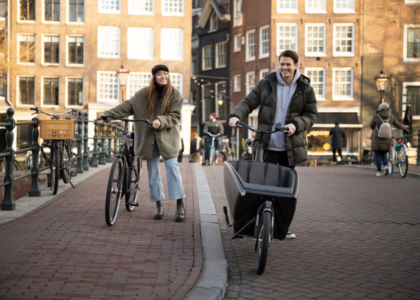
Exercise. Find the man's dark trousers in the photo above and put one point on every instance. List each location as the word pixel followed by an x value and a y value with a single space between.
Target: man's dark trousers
pixel 339 153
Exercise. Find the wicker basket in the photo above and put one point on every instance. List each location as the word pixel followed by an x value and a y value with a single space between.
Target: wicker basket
pixel 57 129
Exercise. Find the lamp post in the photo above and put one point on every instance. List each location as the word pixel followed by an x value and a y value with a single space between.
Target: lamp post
pixel 122 79
pixel 382 84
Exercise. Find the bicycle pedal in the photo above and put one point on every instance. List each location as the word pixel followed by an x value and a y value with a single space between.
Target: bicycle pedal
pixel 134 204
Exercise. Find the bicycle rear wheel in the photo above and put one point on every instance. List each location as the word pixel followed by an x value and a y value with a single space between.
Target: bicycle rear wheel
pixel 55 167
pixel 263 241
pixel 131 195
pixel 114 190
pixel 391 161
pixel 65 164
pixel 402 161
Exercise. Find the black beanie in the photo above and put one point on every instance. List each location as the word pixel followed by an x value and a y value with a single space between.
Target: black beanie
pixel 158 68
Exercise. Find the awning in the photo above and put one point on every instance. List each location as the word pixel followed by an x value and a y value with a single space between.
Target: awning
pixel 346 120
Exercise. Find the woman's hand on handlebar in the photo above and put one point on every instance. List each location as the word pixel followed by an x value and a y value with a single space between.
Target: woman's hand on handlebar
pixel 101 117
pixel 156 124
pixel 233 121
pixel 292 128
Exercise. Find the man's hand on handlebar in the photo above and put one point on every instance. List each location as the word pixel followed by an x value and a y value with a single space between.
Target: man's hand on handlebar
pixel 233 121
pixel 292 128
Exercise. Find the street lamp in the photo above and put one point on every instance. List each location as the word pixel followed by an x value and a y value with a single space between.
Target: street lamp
pixel 122 79
pixel 381 84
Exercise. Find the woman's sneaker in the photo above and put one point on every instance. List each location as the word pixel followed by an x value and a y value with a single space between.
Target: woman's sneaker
pixel 379 174
pixel 290 235
pixel 386 171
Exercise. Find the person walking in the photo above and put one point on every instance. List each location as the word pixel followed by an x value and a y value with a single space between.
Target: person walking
pixel 224 149
pixel 212 126
pixel 382 145
pixel 338 134
pixel 197 146
pixel 162 104
pixel 284 96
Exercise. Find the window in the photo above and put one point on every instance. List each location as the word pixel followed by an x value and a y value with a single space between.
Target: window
pixel 221 101
pixel 207 101
pixel 250 82
pixel 172 44
pixel 108 42
pixel 51 92
pixel 107 87
pixel 264 42
pixel 213 22
pixel 316 6
pixel 51 49
pixel 317 77
pixel 172 7
pixel 263 73
pixel 77 11
pixel 76 50
pixel 221 55
pixel 3 85
pixel 315 39
pixel 140 43
pixel 141 7
pixel 237 83
pixel 3 8
pixel 411 43
pixel 342 83
pixel 26 90
pixel 344 6
pixel 136 82
pixel 176 81
pixel 74 91
pixel 109 6
pixel 287 6
pixel 206 58
pixel 343 40
pixel 193 64
pixel 250 45
pixel 26 48
pixel 27 10
pixel 411 2
pixel 237 13
pixel 286 37
pixel 411 97
pixel 237 43
pixel 52 10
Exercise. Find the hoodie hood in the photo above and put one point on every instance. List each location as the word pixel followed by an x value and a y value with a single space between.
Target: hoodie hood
pixel 286 90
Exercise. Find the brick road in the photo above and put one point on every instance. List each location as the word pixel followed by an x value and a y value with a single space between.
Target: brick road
pixel 64 250
pixel 358 237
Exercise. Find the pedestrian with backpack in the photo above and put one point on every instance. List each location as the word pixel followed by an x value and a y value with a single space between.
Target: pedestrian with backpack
pixel 382 136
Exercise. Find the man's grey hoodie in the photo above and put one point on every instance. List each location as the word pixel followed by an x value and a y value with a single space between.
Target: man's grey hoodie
pixel 284 97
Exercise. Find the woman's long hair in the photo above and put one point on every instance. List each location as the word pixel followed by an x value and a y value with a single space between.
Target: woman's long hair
pixel 153 98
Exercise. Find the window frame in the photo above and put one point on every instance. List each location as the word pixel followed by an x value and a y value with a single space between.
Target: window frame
pixel 344 54
pixel 26 21
pixel 67 105
pixel 235 80
pixel 203 57
pixel 18 104
pixel 18 50
pixel 112 12
pixel 344 11
pixel 134 12
pixel 235 49
pixel 173 14
pixel 404 97
pixel 411 2
pixel 278 51
pixel 262 55
pixel 315 11
pixel 262 71
pixel 42 91
pixel 130 39
pixel 162 45
pixel 171 75
pixel 43 13
pixel 247 81
pixel 217 63
pixel 319 97
pixel 129 92
pixel 289 10
pixel 247 57
pixel 405 40
pixel 338 97
pixel 316 54
pixel 99 99
pixel 43 63
pixel 237 20
pixel 216 25
pixel 68 63
pixel 98 45
pixel 68 22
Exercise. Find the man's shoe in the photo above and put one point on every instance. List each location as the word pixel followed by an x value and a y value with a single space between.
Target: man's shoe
pixel 180 211
pixel 379 174
pixel 290 235
pixel 386 171
pixel 159 211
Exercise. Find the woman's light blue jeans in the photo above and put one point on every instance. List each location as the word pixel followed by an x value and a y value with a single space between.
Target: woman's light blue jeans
pixel 173 176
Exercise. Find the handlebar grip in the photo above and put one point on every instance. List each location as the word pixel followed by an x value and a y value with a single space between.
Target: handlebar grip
pixel 33 108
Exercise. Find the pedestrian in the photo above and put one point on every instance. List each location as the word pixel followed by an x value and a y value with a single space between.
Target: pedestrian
pixel 197 146
pixel 212 126
pixel 338 134
pixel 224 149
pixel 162 104
pixel 382 136
pixel 284 96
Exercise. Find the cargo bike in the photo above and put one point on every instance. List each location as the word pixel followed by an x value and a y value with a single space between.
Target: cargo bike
pixel 261 197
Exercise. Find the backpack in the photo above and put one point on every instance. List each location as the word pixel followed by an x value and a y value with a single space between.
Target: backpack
pixel 385 130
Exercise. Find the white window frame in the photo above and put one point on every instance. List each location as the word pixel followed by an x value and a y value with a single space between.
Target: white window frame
pixel 247 57
pixel 42 91
pixel 236 37
pixel 339 97
pixel 237 83
pixel 68 22
pixel 172 75
pixel 134 12
pixel 203 65
pixel 42 51
pixel 173 14
pixel 345 10
pixel 237 19
pixel 217 63
pixel 404 97
pixel 25 21
pixel 43 21
pixel 277 37
pixel 405 58
pixel 99 40
pixel 130 77
pixel 214 27
pixel 162 44
pixel 318 97
pixel 344 54
pixel 288 10
pixel 18 104
pixel 67 90
pixel 411 2
pixel 67 52
pixel 108 11
pixel 132 54
pixel 316 54
pixel 98 89
pixel 262 71
pixel 264 55
pixel 18 50
pixel 316 10
pixel 248 90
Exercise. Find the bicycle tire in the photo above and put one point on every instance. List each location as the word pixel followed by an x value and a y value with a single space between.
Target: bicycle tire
pixel 391 161
pixel 16 166
pixel 402 164
pixel 211 156
pixel 55 167
pixel 263 241
pixel 65 165
pixel 132 193
pixel 115 181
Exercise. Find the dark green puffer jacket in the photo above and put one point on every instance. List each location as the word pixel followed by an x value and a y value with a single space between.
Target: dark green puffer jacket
pixel 302 112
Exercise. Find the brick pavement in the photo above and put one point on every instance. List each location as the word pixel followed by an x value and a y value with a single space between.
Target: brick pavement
pixel 358 237
pixel 64 250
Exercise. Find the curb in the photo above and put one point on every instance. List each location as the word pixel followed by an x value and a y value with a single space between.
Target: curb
pixel 365 168
pixel 213 280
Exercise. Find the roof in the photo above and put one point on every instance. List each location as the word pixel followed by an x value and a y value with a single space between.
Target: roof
pixel 222 11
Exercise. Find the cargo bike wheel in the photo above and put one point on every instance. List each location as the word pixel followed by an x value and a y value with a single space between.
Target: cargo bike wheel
pixel 263 239
pixel 114 191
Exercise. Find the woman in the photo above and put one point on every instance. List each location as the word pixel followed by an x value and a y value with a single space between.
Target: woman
pixel 161 103
pixel 381 146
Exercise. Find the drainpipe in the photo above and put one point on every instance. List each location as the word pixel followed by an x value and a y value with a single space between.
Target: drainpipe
pixel 8 53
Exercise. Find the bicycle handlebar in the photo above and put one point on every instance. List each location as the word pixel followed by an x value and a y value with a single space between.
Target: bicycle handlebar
pixel 70 111
pixel 212 135
pixel 240 124
pixel 129 120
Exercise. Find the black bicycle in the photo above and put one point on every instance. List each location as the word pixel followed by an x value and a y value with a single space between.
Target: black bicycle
pixel 124 176
pixel 60 154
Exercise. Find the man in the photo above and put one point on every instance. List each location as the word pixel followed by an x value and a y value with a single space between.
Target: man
pixel 338 134
pixel 214 127
pixel 284 96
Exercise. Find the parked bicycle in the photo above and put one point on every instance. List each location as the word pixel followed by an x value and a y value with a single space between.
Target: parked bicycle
pixel 60 154
pixel 398 155
pixel 214 154
pixel 124 176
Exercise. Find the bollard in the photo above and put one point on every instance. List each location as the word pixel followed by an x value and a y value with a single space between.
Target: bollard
pixel 95 146
pixel 79 168
pixel 102 160
pixel 109 155
pixel 85 143
pixel 418 148
pixel 8 203
pixel 34 190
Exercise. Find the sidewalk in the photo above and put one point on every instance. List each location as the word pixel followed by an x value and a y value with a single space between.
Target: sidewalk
pixel 413 170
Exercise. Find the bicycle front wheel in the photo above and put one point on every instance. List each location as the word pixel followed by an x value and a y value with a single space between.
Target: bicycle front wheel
pixel 131 195
pixel 65 164
pixel 402 161
pixel 263 241
pixel 114 190
pixel 55 168
pixel 391 161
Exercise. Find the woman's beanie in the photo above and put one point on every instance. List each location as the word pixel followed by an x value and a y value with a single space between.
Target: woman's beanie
pixel 158 68
pixel 214 115
pixel 383 106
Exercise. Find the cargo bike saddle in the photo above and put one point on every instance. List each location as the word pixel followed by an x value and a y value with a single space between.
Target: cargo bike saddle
pixel 261 196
